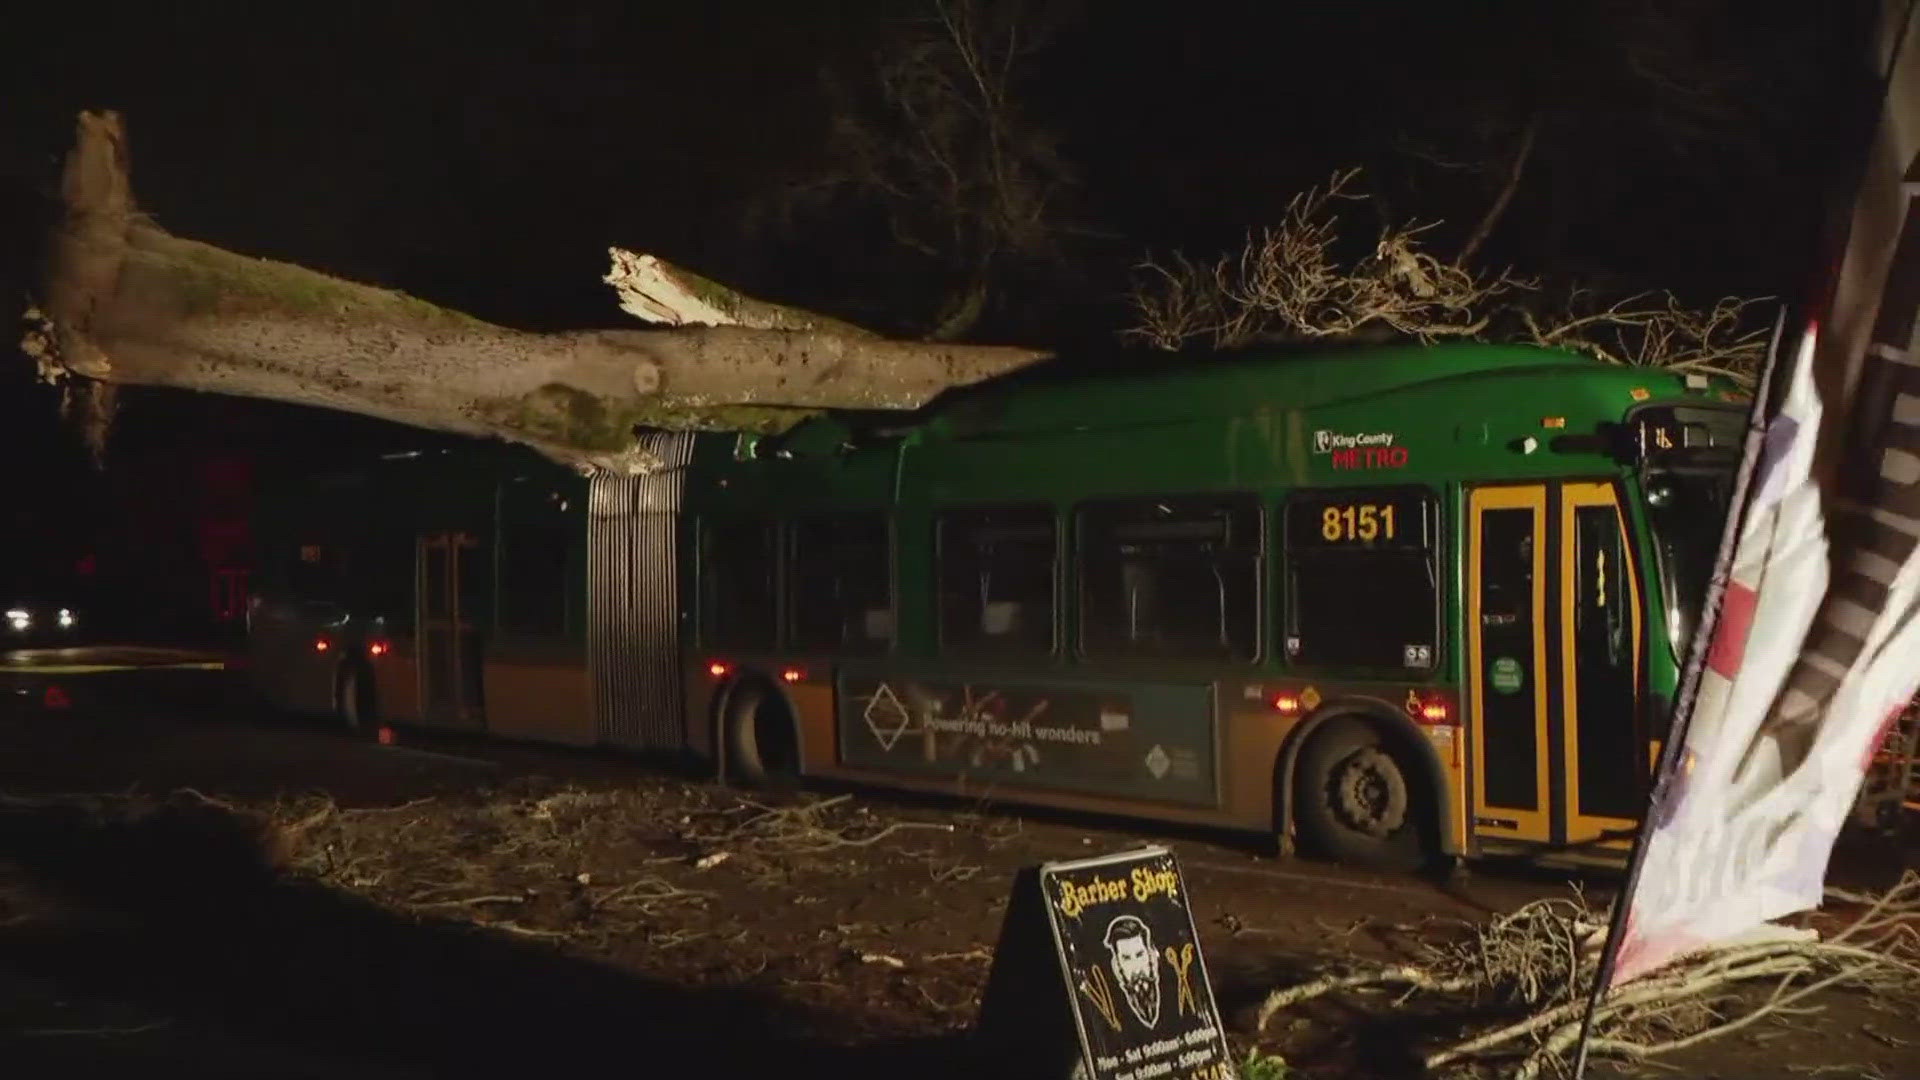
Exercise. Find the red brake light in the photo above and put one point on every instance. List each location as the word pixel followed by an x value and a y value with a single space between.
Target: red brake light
pixel 1286 703
pixel 321 644
pixel 377 648
pixel 719 669
pixel 793 674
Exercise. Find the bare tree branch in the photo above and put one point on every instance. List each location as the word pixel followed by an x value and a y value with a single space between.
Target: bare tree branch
pixel 1654 329
pixel 940 145
pixel 1515 171
pixel 1288 283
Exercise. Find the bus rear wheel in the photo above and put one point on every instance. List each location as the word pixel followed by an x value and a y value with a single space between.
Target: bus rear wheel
pixel 763 746
pixel 1358 800
pixel 354 701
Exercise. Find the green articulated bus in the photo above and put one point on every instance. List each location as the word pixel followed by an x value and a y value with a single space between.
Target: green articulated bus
pixel 1385 602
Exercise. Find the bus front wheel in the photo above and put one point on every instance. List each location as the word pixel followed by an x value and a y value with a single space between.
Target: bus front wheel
pixel 762 743
pixel 1357 798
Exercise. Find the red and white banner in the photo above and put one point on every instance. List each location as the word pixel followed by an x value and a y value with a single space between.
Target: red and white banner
pixel 1817 644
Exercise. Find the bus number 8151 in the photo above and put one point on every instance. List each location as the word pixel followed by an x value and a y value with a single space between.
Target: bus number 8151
pixel 1363 522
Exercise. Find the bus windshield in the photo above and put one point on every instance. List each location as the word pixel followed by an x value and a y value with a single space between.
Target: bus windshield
pixel 1686 510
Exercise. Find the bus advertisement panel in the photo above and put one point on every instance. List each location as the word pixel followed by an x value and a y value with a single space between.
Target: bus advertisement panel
pixel 1147 741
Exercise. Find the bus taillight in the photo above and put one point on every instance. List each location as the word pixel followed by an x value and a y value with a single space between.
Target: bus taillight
pixel 719 669
pixel 793 675
pixel 1429 710
pixel 321 644
pixel 377 648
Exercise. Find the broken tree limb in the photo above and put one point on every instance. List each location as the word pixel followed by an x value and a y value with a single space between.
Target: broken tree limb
pixel 654 290
pixel 124 302
pixel 1395 975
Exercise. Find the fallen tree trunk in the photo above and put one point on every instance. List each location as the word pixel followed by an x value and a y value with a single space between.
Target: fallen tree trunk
pixel 124 302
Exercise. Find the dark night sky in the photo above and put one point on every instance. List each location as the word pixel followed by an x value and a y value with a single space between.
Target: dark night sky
pixel 485 156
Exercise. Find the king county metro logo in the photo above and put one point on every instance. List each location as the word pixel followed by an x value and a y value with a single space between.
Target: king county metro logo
pixel 1326 442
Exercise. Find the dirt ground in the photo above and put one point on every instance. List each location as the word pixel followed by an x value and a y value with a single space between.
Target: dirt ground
pixel 439 908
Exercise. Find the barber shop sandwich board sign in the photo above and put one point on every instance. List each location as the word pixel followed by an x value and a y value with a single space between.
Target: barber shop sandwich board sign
pixel 1102 953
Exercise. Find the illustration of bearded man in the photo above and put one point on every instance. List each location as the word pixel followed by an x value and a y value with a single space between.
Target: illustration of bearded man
pixel 1130 955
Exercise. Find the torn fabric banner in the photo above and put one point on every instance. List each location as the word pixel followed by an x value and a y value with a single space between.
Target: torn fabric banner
pixel 1816 647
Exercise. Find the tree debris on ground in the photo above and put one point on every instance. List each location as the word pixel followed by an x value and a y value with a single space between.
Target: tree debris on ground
pixel 886 918
pixel 539 864
pixel 1519 983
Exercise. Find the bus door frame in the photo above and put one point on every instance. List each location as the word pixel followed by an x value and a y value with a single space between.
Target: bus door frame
pixel 1498 807
pixel 458 702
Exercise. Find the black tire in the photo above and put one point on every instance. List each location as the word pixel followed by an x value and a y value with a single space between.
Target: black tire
pixel 1358 798
pixel 354 704
pixel 763 745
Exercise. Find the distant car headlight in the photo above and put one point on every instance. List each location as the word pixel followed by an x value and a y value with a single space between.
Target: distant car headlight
pixel 20 619
pixel 66 619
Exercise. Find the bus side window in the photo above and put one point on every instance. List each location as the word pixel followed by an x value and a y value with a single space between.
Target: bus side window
pixel 1362 588
pixel 1170 577
pixel 1602 623
pixel 840 583
pixel 738 602
pixel 996 574
pixel 391 581
pixel 536 541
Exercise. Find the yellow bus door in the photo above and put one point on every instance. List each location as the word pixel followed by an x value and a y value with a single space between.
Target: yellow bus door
pixel 1555 632
pixel 1507 661
pixel 1601 640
